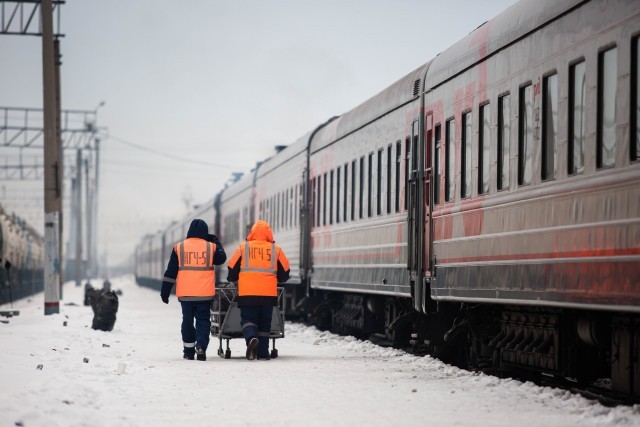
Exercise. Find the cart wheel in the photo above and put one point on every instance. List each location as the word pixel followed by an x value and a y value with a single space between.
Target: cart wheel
pixel 274 353
pixel 227 354
pixel 220 352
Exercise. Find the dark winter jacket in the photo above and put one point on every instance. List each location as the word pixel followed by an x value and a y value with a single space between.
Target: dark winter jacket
pixel 200 230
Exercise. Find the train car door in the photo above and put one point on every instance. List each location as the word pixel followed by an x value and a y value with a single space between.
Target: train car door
pixel 428 202
pixel 415 215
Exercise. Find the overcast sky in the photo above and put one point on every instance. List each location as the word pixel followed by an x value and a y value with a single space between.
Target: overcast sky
pixel 220 82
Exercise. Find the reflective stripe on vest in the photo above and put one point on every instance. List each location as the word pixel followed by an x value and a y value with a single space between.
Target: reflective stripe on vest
pixel 196 272
pixel 258 281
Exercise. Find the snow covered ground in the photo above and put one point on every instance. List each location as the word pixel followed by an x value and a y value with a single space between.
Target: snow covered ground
pixel 319 379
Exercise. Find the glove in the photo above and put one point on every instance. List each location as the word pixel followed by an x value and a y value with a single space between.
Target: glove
pixel 212 238
pixel 165 299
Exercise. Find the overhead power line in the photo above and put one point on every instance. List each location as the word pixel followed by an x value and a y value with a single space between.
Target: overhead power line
pixel 163 154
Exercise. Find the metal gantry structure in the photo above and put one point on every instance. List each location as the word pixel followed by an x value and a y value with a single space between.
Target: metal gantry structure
pixel 22 129
pixel 22 134
pixel 24 18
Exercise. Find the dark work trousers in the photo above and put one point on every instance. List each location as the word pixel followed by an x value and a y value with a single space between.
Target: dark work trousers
pixel 200 334
pixel 256 322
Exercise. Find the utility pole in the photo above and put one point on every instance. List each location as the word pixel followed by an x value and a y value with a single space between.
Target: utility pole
pixel 95 209
pixel 89 214
pixel 78 206
pixel 53 168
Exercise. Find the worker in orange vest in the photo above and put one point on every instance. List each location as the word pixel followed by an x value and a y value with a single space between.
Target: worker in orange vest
pixel 191 269
pixel 258 265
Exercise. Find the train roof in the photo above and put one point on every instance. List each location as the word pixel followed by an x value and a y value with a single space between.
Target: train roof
pixel 399 93
pixel 292 150
pixel 244 183
pixel 514 23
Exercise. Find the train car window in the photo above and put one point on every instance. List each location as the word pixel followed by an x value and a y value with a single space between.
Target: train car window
pixel 504 132
pixel 407 160
pixel 331 197
pixel 346 192
pixel 270 208
pixel 467 135
pixel 292 205
pixel 414 149
pixel 379 183
pixel 338 195
pixel 279 206
pixel 296 205
pixel 312 207
pixel 549 126
pixel 275 224
pixel 361 193
pixel 353 190
pixel 607 87
pixel 266 210
pixel 437 134
pixel 274 211
pixel 319 221
pixel 369 185
pixel 483 148
pixel 284 209
pixel 525 140
pixel 577 116
pixel 450 160
pixel 324 199
pixel 635 99
pixel 398 163
pixel 389 175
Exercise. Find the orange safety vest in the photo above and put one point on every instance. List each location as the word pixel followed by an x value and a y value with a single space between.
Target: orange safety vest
pixel 196 273
pixel 258 269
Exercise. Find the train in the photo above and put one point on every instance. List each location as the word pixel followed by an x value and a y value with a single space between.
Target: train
pixel 21 259
pixel 485 208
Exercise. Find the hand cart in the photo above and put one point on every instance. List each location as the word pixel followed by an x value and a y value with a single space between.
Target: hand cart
pixel 225 318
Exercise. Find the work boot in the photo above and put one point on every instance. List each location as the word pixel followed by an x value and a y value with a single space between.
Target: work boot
pixel 188 356
pixel 252 348
pixel 201 354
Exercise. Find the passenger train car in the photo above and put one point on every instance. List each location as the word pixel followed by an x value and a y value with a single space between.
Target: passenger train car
pixel 21 259
pixel 484 208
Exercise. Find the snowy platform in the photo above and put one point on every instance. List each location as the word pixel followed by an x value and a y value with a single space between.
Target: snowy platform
pixel 135 376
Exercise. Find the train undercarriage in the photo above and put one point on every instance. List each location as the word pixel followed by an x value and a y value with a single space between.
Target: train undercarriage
pixel 585 348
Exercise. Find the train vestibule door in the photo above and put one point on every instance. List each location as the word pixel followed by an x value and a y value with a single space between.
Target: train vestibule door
pixel 415 214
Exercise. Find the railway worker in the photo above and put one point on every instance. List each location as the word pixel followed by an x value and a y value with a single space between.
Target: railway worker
pixel 191 268
pixel 258 265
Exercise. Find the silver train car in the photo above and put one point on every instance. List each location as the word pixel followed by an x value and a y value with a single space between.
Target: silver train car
pixel 485 208
pixel 21 259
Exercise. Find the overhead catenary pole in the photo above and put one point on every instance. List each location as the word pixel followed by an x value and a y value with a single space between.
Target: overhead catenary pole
pixel 95 210
pixel 52 190
pixel 89 214
pixel 78 206
pixel 60 169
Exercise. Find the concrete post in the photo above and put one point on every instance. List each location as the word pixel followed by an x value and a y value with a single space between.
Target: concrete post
pixel 52 191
